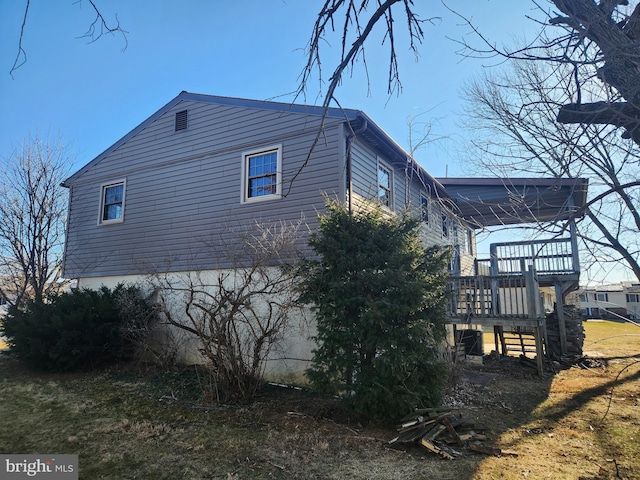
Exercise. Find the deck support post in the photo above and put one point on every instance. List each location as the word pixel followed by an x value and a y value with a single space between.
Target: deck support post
pixel 560 314
pixel 537 334
pixel 534 307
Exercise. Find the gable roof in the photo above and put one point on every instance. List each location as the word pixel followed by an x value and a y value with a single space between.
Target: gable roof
pixel 347 114
pixel 359 123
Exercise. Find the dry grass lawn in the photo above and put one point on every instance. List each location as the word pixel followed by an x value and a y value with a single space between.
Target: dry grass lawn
pixel 582 423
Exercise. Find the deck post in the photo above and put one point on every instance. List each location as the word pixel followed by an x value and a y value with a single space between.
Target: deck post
pixel 535 312
pixel 573 236
pixel 482 294
pixel 493 273
pixel 560 314
pixel 537 334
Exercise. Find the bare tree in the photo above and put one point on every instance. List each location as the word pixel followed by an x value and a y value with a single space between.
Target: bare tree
pixel 239 315
pixel 514 131
pixel 32 215
pixel 600 42
pixel 604 36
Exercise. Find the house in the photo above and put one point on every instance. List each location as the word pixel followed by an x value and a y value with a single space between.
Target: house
pixel 619 301
pixel 203 167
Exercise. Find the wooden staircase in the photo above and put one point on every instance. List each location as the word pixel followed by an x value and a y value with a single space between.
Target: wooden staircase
pixel 520 340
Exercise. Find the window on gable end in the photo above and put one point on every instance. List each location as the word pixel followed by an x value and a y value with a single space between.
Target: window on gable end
pixel 261 174
pixel 182 120
pixel 112 202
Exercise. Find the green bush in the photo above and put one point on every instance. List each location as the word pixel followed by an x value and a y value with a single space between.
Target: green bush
pixel 379 298
pixel 79 329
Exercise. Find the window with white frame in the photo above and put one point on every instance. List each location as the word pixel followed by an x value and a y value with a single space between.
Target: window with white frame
pixel 445 226
pixel 633 298
pixel 112 202
pixel 385 182
pixel 601 297
pixel 261 174
pixel 424 208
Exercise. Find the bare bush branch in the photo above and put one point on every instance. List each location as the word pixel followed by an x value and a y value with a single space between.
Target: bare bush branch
pixel 239 315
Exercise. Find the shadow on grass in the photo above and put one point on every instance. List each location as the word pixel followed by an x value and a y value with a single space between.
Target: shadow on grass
pixel 579 399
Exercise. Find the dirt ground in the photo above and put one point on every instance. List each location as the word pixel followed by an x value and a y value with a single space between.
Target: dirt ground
pixel 581 422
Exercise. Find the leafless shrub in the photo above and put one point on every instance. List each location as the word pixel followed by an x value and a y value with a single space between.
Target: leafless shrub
pixel 238 314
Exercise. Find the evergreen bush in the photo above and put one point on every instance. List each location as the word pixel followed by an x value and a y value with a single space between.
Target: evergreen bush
pixel 379 298
pixel 78 329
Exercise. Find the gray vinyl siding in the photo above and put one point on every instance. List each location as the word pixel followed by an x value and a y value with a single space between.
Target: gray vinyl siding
pixel 364 179
pixel 183 190
pixel 364 176
pixel 407 191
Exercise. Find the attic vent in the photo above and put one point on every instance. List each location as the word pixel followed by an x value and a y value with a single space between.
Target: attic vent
pixel 181 120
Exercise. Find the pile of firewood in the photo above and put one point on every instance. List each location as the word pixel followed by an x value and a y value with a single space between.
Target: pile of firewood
pixel 439 429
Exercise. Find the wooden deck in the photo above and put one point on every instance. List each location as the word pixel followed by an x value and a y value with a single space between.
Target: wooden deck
pixel 504 293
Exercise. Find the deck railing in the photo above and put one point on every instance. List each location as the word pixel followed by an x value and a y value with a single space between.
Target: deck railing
pixel 507 285
pixel 547 257
pixel 488 296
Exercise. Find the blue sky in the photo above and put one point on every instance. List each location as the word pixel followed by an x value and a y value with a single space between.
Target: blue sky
pixel 92 94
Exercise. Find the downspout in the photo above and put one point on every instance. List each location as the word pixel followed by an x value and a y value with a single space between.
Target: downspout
pixel 350 138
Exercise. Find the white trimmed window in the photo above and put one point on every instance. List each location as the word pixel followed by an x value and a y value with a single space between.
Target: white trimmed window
pixel 112 202
pixel 261 174
pixel 385 182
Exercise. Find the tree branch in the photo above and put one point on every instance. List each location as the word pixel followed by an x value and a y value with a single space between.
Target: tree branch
pixel 94 33
pixel 619 114
pixel 21 52
pixel 97 29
